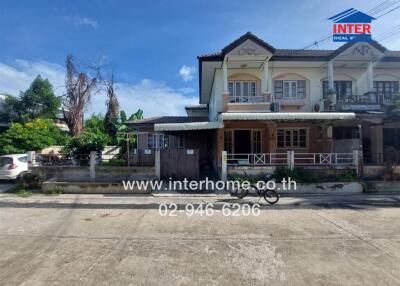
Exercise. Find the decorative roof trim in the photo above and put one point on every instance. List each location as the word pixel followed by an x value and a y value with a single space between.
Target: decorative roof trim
pixel 188 126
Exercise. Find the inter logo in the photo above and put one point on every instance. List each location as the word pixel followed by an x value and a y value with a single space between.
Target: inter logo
pixel 352 26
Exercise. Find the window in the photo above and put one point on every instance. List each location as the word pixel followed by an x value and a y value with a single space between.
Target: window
pixel 292 138
pixel 23 159
pixel 343 89
pixel 290 89
pixel 387 88
pixel 181 141
pixel 256 141
pixel 228 142
pixel 241 91
pixel 157 141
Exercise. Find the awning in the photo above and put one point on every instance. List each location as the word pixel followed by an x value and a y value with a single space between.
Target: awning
pixel 287 116
pixel 188 126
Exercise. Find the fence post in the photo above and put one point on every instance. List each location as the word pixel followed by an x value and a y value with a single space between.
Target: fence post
pixel 93 155
pixel 158 164
pixel 290 159
pixel 31 159
pixel 224 166
pixel 356 160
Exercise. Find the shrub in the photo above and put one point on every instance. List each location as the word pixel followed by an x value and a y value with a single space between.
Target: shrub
pixel 86 142
pixel 31 136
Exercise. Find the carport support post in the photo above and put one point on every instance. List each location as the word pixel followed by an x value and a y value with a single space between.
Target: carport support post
pixel 290 159
pixel 31 159
pixel 92 165
pixel 158 164
pixel 224 166
pixel 356 161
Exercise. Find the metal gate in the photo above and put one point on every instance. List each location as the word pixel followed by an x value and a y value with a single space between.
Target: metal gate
pixel 179 164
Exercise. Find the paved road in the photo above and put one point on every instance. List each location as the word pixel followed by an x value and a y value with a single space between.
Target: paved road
pixel 120 240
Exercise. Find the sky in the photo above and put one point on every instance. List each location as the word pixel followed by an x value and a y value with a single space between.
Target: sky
pixel 152 46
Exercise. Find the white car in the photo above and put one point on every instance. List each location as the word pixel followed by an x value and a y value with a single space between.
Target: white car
pixel 12 166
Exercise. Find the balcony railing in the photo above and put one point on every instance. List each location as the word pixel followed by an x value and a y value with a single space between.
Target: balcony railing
pixel 250 99
pixel 368 98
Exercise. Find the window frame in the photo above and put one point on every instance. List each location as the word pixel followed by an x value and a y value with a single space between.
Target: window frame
pixel 291 131
pixel 300 87
pixel 156 139
pixel 233 85
pixel 181 144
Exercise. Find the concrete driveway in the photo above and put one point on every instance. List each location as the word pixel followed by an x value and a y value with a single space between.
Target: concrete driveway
pixel 116 240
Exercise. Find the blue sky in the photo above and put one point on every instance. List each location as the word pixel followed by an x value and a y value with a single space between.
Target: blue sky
pixel 152 45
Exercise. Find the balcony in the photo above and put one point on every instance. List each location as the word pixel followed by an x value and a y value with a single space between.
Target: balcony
pixel 247 103
pixel 366 101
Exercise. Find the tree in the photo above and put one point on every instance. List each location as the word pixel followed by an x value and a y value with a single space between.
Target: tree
pixel 123 127
pixel 31 136
pixel 38 101
pixel 111 118
pixel 80 87
pixel 96 124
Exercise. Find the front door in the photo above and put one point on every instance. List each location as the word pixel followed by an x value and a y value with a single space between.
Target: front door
pixel 242 141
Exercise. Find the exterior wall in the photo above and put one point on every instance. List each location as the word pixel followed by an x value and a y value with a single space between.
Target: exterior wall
pixel 314 77
pixel 319 140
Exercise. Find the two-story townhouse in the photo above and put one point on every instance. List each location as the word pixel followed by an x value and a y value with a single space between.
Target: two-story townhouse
pixel 267 107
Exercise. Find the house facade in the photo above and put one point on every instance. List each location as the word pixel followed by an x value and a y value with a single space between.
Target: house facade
pixel 262 107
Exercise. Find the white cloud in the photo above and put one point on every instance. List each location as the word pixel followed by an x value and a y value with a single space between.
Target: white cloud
pixel 82 21
pixel 154 98
pixel 187 73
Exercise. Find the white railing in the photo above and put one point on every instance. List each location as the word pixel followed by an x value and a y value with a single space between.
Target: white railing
pixel 261 159
pixel 337 159
pixel 249 99
pixel 292 158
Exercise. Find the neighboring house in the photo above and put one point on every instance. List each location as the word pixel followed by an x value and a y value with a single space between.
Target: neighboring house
pixel 258 102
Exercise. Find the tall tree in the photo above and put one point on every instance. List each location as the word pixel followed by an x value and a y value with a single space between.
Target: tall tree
pixel 111 118
pixel 80 87
pixel 37 101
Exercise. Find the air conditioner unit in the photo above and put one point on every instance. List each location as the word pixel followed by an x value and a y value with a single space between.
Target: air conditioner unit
pixel 275 106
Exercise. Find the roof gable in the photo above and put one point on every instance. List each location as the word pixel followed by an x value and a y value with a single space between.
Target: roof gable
pixel 369 48
pixel 247 37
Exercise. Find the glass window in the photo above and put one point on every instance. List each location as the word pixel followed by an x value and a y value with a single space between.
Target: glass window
pixel 241 91
pixel 290 89
pixel 181 141
pixel 343 89
pixel 5 161
pixel 256 141
pixel 157 141
pixel 23 159
pixel 292 138
pixel 388 89
pixel 228 143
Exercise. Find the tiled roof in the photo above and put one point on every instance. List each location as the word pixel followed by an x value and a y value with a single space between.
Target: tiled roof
pixel 278 53
pixel 166 119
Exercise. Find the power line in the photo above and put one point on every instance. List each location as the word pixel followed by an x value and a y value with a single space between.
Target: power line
pixel 376 10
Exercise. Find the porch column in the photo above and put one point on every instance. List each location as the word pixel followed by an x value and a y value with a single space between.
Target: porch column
pixel 331 85
pixel 330 75
pixel 222 103
pixel 225 75
pixel 370 76
pixel 265 79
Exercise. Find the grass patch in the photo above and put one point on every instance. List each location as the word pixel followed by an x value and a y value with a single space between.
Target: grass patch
pixel 20 191
pixel 302 175
pixel 54 192
pixel 369 187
